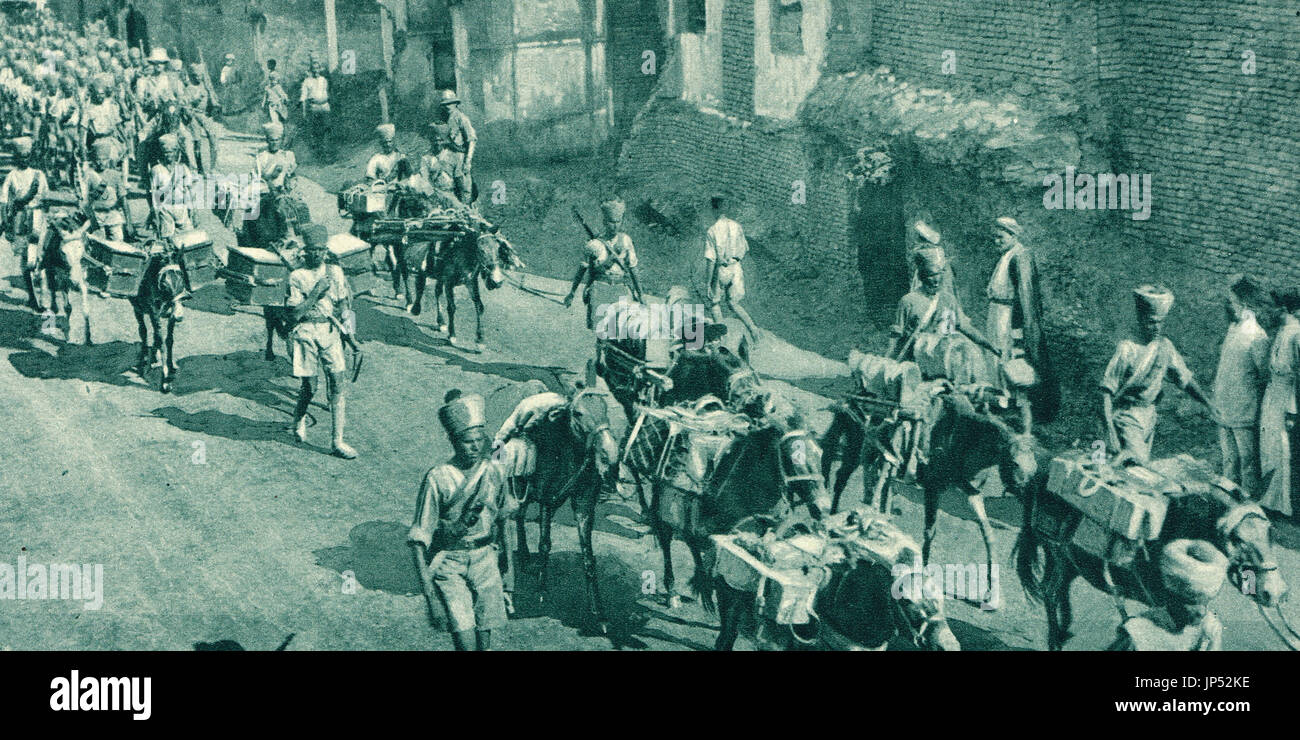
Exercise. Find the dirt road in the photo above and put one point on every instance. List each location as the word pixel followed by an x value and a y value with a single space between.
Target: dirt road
pixel 211 522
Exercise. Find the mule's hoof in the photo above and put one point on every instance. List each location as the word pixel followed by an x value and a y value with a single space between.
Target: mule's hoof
pixel 415 309
pixel 443 328
pixel 674 602
pixel 603 625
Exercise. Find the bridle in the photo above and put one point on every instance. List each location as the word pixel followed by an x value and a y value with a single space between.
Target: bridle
pixel 589 447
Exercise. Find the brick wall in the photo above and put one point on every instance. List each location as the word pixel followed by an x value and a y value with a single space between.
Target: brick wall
pixel 738 57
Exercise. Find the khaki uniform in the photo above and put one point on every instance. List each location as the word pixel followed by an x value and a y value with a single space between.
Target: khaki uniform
pixel 1277 415
pixel 1239 383
pixel 465 573
pixel 170 186
pixel 315 339
pixel 1135 379
pixel 29 219
pixel 725 243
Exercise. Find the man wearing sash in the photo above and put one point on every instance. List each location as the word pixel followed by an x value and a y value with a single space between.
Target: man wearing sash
pixel 609 258
pixel 22 214
pixel 1134 379
pixel 461 505
pixel 931 308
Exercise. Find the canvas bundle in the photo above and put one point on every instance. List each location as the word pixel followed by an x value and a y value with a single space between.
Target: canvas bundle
pixel 1128 502
pixel 680 447
pixel 784 575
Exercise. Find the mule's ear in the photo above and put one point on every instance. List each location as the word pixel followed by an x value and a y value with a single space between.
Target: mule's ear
pixel 743 349
pixel 589 377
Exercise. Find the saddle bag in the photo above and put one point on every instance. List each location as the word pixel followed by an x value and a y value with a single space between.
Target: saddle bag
pixel 785 588
pixel 116 268
pixel 353 255
pixel 1130 502
pixel 680 447
pixel 200 261
pixel 256 277
pixel 433 228
pixel 950 356
pixel 886 379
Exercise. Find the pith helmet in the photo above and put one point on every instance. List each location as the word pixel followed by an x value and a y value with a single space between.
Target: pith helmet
pixel 158 56
pixel 447 97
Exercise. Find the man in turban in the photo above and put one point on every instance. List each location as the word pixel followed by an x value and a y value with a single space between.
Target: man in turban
pixel 319 296
pixel 1014 324
pixel 461 508
pixel 610 257
pixel 931 308
pixel 1135 377
pixel 22 212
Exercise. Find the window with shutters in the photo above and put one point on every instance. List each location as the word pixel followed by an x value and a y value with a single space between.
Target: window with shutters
pixel 786 27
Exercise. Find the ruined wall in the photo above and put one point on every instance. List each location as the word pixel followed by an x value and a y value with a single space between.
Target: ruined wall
pixel 535 70
pixel 1140 88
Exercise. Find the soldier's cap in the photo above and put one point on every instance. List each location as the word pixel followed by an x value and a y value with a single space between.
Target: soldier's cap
pixel 926 232
pixel 1288 299
pixel 314 237
pixel 930 260
pixel 157 56
pixel 1153 300
pixel 22 145
pixel 461 412
pixel 387 131
pixel 1247 290
pixel 1009 225
pixel 272 130
pixel 169 142
pixel 613 210
pixel 447 97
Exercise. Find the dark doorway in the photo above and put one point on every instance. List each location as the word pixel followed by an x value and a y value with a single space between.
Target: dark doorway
pixel 634 29
pixel 880 231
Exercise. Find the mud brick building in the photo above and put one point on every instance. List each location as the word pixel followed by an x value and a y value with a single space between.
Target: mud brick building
pixel 973 103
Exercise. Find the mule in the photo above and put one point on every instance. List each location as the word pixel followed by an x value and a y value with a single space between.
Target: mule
pixel 862 606
pixel 1048 566
pixel 576 455
pixel 162 290
pixel 761 478
pixel 64 240
pixel 463 261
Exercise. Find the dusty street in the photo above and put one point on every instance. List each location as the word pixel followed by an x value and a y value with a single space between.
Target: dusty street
pixel 212 523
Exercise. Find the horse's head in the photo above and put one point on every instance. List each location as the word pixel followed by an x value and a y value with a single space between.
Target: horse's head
pixel 800 459
pixel 589 423
pixel 1244 537
pixel 918 609
pixel 489 260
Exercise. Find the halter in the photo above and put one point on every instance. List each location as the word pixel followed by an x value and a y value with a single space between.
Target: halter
pixel 588 456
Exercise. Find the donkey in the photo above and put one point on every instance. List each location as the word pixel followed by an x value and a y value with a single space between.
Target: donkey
pixel 576 455
pixel 1047 565
pixel 978 454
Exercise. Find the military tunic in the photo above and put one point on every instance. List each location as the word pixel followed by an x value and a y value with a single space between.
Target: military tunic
pixel 465 573
pixel 1135 379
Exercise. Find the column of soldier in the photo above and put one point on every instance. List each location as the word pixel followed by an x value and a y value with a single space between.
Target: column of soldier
pixel 70 105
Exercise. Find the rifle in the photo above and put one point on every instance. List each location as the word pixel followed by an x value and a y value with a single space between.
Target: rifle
pixel 636 288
